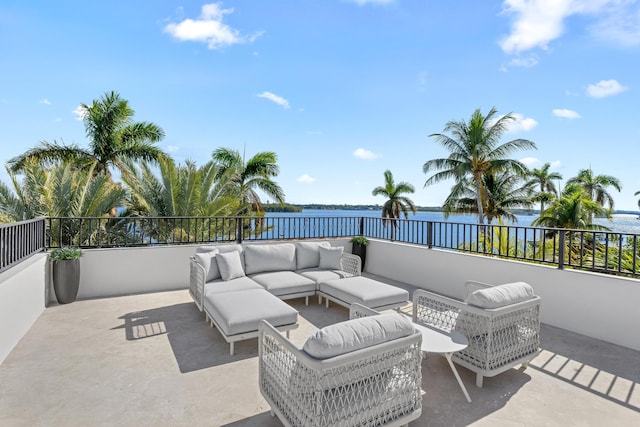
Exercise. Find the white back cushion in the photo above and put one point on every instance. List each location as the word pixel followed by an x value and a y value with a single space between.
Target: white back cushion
pixel 308 255
pixel 208 261
pixel 330 258
pixel 276 257
pixel 230 265
pixel 501 295
pixel 355 334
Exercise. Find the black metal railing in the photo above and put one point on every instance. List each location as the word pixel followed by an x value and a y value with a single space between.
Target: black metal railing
pixel 20 240
pixel 606 252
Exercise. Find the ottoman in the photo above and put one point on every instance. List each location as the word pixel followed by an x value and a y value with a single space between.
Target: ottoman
pixel 237 314
pixel 365 291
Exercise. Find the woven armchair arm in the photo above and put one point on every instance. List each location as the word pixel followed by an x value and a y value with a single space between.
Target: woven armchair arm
pixel 196 282
pixel 436 310
pixel 358 310
pixel 351 264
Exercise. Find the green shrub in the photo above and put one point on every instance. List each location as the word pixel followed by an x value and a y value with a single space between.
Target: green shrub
pixel 59 254
pixel 359 240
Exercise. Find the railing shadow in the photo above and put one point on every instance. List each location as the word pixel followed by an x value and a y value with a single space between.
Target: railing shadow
pixel 194 343
pixel 598 367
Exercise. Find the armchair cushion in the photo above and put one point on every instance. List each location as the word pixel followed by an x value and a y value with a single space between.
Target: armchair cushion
pixel 357 334
pixel 308 254
pixel 230 265
pixel 330 258
pixel 501 295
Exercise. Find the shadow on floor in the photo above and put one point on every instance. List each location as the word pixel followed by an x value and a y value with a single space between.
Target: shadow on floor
pixel 260 420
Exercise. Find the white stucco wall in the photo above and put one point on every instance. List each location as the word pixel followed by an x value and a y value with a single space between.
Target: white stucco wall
pixel 597 305
pixel 22 300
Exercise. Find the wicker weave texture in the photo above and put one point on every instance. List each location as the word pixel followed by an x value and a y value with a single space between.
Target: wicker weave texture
pixel 379 387
pixel 499 339
pixel 351 264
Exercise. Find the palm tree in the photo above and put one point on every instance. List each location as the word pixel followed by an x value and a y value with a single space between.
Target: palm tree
pixel 113 138
pixel 636 194
pixel 396 203
pixel 475 149
pixel 543 178
pixel 247 177
pixel 504 192
pixel 573 210
pixel 596 187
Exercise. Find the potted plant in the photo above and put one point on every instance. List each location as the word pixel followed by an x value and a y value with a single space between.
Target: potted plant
pixel 359 247
pixel 66 273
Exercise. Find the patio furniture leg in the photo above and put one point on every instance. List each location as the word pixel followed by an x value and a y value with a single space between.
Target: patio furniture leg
pixel 306 300
pixel 479 380
pixel 327 300
pixel 319 299
pixel 231 348
pixel 455 373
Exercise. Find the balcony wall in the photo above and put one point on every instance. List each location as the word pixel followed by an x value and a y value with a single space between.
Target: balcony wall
pixel 22 300
pixel 596 305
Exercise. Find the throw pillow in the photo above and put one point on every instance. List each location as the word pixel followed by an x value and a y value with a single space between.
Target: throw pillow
pixel 308 255
pixel 500 296
pixel 208 261
pixel 230 265
pixel 356 334
pixel 330 258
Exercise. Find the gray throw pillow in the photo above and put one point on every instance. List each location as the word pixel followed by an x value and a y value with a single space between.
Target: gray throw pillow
pixel 230 265
pixel 208 261
pixel 330 258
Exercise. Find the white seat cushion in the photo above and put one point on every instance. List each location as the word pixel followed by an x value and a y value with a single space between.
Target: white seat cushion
pixel 501 295
pixel 240 312
pixel 322 274
pixel 281 283
pixel 240 284
pixel 272 257
pixel 356 334
pixel 365 291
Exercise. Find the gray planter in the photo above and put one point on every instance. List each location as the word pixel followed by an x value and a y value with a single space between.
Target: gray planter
pixel 66 280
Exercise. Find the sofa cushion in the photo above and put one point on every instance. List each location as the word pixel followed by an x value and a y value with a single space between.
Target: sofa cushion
pixel 308 255
pixel 501 295
pixel 322 274
pixel 281 283
pixel 330 257
pixel 356 334
pixel 276 257
pixel 365 291
pixel 230 265
pixel 239 284
pixel 214 273
pixel 240 312
pixel 208 261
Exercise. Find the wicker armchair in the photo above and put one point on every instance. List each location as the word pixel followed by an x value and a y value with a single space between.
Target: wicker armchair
pixel 373 386
pixel 499 338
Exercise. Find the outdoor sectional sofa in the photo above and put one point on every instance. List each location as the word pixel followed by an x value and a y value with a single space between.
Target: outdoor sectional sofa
pixel 238 285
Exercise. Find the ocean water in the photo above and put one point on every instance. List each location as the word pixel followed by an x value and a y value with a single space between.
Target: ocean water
pixel 621 223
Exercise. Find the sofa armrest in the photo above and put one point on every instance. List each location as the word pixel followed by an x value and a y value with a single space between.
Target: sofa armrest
pixel 351 264
pixel 196 282
pixel 358 310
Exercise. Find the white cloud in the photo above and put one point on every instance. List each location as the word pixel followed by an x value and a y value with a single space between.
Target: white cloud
pixel 521 123
pixel 563 113
pixel 538 22
pixel 274 98
pixel 605 88
pixel 621 25
pixel 307 179
pixel 555 164
pixel 524 62
pixel 45 101
pixel 209 28
pixel 172 148
pixel 365 2
pixel 530 161
pixel 361 153
pixel 80 112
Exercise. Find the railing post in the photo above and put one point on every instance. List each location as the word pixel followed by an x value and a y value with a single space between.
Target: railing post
pixel 561 244
pixel 361 233
pixel 239 229
pixel 429 234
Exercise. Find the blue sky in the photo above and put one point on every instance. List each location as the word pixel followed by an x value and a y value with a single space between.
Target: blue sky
pixel 340 90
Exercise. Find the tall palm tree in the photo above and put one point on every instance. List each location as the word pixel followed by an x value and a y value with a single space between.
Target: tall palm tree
pixel 247 177
pixel 113 138
pixel 396 203
pixel 504 191
pixel 475 148
pixel 573 210
pixel 595 186
pixel 543 178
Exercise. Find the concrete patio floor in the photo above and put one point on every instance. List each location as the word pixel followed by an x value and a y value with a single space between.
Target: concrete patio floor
pixel 151 360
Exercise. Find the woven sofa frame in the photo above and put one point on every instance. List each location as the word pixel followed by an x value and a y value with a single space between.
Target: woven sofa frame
pixel 499 339
pixel 350 264
pixel 375 386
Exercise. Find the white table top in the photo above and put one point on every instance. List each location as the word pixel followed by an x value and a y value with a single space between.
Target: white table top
pixel 437 341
